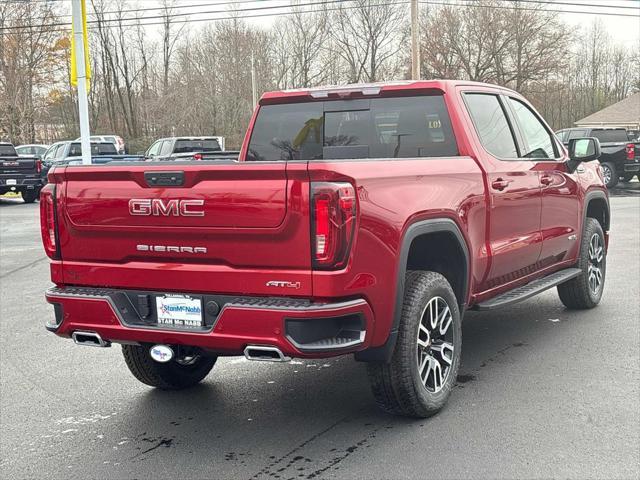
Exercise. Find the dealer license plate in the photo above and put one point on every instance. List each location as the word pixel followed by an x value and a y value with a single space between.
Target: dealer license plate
pixel 179 311
pixel 11 181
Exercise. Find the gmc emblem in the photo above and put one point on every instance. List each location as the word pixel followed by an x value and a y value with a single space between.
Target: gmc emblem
pixel 156 207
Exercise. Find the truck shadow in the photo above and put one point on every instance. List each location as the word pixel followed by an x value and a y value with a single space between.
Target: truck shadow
pixel 252 419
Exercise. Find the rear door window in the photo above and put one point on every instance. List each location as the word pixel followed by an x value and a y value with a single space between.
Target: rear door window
pixel 577 134
pixel 402 127
pixel 610 136
pixel 491 124
pixel 166 147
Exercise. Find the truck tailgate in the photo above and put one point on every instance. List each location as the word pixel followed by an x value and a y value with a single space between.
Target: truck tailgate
pixel 214 230
pixel 18 165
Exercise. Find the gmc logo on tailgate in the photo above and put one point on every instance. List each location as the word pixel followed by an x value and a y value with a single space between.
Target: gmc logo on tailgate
pixel 156 207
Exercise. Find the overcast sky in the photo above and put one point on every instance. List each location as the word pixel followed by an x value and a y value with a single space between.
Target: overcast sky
pixel 625 30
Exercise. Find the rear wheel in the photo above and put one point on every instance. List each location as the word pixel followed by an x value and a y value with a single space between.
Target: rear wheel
pixel 423 369
pixel 185 370
pixel 585 290
pixel 29 196
pixel 609 174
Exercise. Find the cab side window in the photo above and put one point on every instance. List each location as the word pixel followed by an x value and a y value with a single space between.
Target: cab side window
pixel 492 125
pixel 154 149
pixel 166 147
pixel 539 143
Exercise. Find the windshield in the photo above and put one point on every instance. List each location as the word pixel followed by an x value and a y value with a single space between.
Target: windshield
pixel 203 145
pixel 402 127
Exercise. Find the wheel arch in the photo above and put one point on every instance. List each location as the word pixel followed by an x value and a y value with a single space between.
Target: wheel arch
pixel 454 265
pixel 596 205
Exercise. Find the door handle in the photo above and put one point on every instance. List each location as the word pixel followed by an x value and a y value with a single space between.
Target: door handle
pixel 500 184
pixel 546 180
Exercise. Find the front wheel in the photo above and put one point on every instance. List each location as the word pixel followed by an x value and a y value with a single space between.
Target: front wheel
pixel 423 369
pixel 186 370
pixel 585 290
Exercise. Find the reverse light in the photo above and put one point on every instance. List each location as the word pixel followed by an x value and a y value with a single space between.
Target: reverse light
pixel 334 212
pixel 631 151
pixel 48 227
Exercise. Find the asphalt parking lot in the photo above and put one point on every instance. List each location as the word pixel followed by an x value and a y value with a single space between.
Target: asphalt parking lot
pixel 543 392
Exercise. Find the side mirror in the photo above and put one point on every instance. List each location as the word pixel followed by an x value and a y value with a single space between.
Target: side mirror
pixel 582 150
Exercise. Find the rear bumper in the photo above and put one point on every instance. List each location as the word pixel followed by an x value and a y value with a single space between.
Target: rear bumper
pixel 22 182
pixel 299 328
pixel 632 167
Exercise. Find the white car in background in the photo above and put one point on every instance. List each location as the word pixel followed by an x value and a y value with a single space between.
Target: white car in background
pixel 32 150
pixel 115 139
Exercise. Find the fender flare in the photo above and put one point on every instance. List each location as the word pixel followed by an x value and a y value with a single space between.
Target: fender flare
pixel 437 225
pixel 593 195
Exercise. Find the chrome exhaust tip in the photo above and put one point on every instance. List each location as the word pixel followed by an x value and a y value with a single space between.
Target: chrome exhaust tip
pixel 263 353
pixel 89 339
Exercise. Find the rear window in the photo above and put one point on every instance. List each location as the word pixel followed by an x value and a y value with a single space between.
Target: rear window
pixel 402 127
pixel 7 150
pixel 96 149
pixel 610 136
pixel 188 146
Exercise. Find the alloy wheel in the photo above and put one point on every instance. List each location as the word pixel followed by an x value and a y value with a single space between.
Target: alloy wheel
pixel 595 268
pixel 606 174
pixel 435 349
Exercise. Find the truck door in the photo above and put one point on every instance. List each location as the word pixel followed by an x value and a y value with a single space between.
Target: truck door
pixel 514 240
pixel 559 220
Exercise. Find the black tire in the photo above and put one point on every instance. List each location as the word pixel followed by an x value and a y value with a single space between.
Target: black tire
pixel 578 293
pixel 610 174
pixel 30 196
pixel 627 177
pixel 398 386
pixel 165 376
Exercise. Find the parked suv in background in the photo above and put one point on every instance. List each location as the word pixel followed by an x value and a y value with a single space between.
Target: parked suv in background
pixel 360 219
pixel 620 157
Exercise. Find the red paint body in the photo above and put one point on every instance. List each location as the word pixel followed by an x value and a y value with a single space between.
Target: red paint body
pixel 256 229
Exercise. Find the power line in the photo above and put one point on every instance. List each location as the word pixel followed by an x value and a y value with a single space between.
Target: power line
pixel 529 8
pixel 209 19
pixel 135 21
pixel 574 4
pixel 184 14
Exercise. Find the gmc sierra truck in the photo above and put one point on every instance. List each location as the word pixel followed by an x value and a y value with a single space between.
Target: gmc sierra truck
pixel 19 174
pixel 361 219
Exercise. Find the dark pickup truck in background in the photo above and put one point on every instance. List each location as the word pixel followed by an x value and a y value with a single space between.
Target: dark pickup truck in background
pixel 620 157
pixel 189 148
pixel 19 174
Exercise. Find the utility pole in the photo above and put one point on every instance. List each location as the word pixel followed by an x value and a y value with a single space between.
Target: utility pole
pixel 415 42
pixel 254 91
pixel 83 103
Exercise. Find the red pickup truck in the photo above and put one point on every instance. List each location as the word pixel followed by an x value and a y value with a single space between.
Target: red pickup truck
pixel 362 219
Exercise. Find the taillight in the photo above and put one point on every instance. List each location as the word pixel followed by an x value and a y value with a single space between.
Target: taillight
pixel 334 212
pixel 38 166
pixel 48 227
pixel 197 156
pixel 631 151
